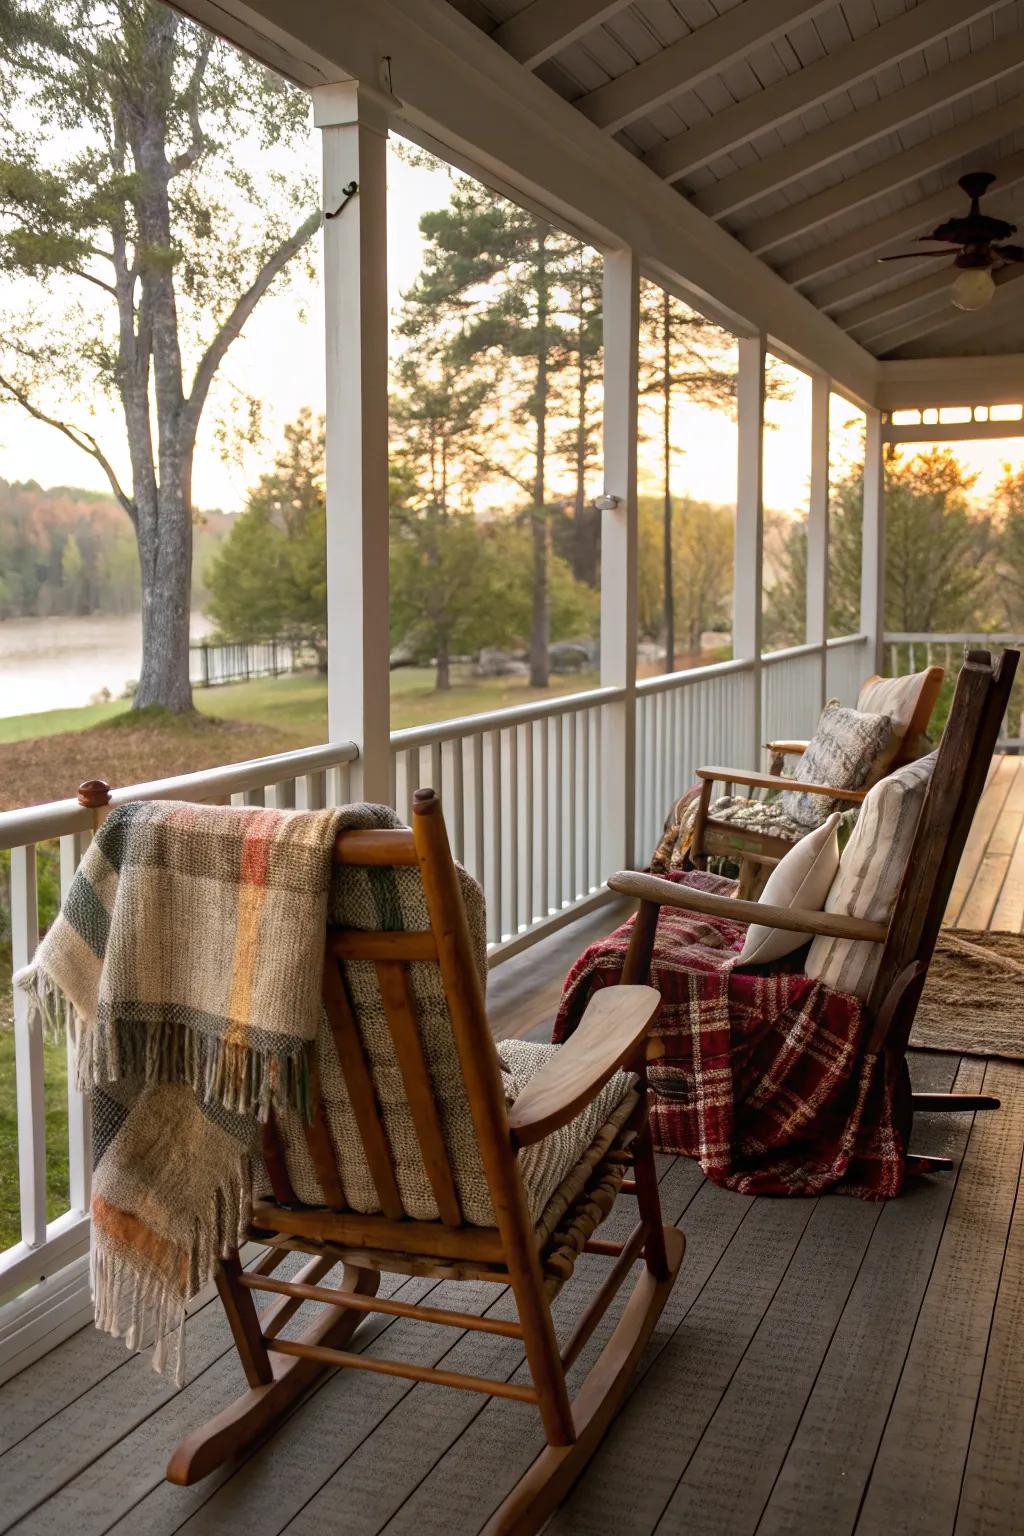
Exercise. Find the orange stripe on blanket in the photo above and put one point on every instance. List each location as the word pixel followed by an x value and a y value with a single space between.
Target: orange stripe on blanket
pixel 255 867
pixel 122 1227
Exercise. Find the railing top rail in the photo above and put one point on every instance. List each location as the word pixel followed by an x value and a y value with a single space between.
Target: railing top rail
pixel 497 719
pixel 693 675
pixel 838 640
pixel 902 637
pixel 789 653
pixel 38 823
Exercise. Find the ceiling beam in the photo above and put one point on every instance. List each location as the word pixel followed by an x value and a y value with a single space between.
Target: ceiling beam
pixel 929 22
pixel 912 382
pixel 857 286
pixel 683 65
pixel 887 115
pixel 541 29
pixel 945 317
pixel 953 432
pixel 875 235
pixel 931 154
pixel 897 298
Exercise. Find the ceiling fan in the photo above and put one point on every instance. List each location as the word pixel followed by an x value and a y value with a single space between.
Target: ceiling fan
pixel 980 241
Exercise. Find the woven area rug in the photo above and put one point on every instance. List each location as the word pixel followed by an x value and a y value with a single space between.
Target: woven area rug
pixel 973 1001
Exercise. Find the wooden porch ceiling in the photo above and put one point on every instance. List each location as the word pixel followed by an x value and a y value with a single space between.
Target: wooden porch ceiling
pixel 821 134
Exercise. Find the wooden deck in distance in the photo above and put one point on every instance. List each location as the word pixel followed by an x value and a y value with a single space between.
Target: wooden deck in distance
pixel 823 1367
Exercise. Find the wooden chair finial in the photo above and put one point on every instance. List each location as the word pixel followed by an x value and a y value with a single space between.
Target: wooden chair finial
pixel 424 800
pixel 94 794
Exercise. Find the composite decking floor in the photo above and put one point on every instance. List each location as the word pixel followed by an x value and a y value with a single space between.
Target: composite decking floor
pixel 822 1366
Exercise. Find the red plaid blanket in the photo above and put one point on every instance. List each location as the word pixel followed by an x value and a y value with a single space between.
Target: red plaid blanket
pixel 765 1078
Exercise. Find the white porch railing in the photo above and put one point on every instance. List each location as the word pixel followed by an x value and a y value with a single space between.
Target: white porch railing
pixel 525 798
pixel 522 792
pixel 906 652
pixel 309 778
pixel 849 662
pixel 684 720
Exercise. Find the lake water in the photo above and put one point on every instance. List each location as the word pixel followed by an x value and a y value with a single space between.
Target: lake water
pixel 59 663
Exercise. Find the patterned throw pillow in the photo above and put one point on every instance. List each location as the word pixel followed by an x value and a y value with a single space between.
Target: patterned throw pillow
pixel 870 874
pixel 841 754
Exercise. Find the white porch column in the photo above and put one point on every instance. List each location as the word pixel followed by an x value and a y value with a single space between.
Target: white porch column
pixel 749 553
pixel 619 558
pixel 817 525
pixel 872 556
pixel 354 145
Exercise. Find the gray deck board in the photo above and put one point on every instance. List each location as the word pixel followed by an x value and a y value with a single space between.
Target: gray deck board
pixel 822 1368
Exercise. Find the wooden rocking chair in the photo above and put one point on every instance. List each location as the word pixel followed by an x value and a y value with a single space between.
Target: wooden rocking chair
pixel 757 851
pixel 513 1251
pixel 908 940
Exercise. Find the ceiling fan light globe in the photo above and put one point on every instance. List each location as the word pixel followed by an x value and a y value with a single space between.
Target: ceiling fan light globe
pixel 972 288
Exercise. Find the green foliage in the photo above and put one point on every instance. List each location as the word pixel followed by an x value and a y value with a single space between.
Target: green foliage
pixel 269 580
pixel 939 555
pixel 702 549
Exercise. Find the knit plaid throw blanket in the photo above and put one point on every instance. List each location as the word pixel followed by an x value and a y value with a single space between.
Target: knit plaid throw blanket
pixel 187 964
pixel 764 1078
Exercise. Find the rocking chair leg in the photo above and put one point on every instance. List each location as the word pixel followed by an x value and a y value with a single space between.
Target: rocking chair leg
pixel 258 1410
pixel 549 1479
pixel 646 1179
pixel 933 1164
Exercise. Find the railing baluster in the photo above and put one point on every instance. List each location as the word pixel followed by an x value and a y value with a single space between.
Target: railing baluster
pixel 28 1053
pixel 479 852
pixel 72 847
pixel 529 911
pixel 456 799
pixel 546 904
pixel 573 890
pixel 559 793
pixel 493 860
pixel 585 816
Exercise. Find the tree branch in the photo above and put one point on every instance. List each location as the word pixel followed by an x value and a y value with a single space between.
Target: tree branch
pixel 189 157
pixel 79 436
pixel 244 306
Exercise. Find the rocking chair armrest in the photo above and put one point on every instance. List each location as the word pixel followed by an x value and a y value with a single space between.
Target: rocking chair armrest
pixel 786 748
pixel 832 925
pixel 776 781
pixel 609 1034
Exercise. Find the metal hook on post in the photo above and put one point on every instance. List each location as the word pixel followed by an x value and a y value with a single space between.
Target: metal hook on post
pixel 347 194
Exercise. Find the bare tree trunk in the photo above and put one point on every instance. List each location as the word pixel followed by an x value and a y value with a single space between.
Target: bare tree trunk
pixel 540 630
pixel 443 679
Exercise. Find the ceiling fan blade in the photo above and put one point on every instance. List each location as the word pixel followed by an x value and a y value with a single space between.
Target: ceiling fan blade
pixel 1009 252
pixel 916 255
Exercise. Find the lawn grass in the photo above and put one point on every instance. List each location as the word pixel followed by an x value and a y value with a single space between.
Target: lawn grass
pixel 297 703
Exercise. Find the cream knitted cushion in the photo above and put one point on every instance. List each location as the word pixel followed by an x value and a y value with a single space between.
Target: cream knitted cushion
pixel 870 874
pixel 802 879
pixel 841 754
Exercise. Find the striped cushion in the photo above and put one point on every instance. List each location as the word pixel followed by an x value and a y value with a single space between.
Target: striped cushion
pixel 841 754
pixel 870 874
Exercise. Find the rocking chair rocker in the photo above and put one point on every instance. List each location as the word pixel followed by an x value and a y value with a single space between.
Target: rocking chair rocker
pixel 516 1250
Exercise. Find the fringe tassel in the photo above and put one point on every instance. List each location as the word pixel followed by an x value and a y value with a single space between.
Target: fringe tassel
pixel 48 1007
pixel 144 1306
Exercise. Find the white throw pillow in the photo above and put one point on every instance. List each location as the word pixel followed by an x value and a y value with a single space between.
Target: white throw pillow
pixel 803 878
pixel 870 876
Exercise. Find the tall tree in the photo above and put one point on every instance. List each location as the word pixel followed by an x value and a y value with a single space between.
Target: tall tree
pixel 269 578
pixel 580 442
pixel 938 567
pixel 493 275
pixel 150 244
pixel 683 358
pixel 1008 509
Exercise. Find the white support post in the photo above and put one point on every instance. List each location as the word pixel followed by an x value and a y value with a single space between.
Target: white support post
pixel 619 557
pixel 872 557
pixel 747 596
pixel 818 525
pixel 354 145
